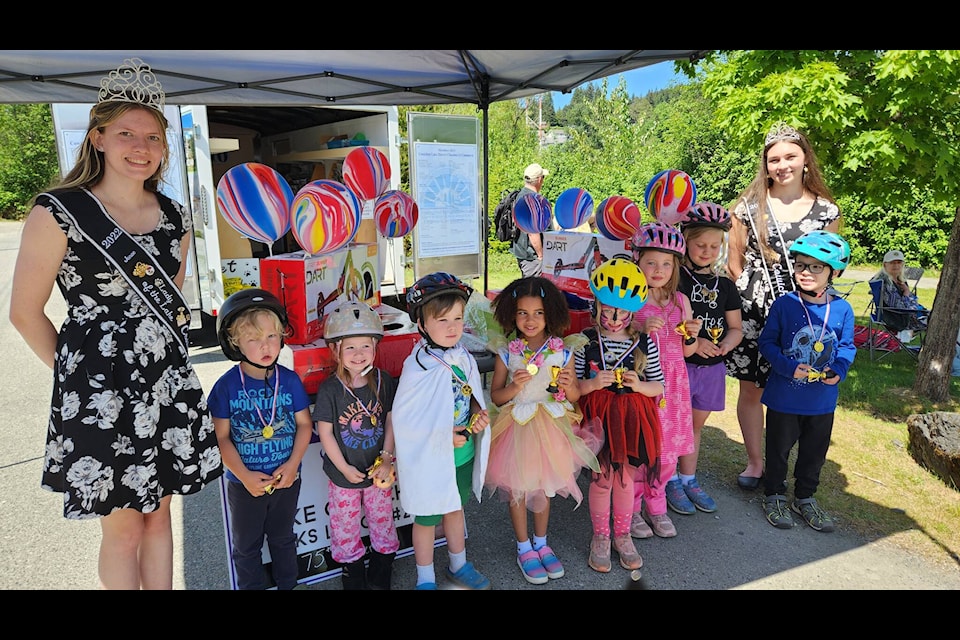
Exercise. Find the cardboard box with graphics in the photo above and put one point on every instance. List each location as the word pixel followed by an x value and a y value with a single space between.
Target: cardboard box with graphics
pixel 307 284
pixel 569 258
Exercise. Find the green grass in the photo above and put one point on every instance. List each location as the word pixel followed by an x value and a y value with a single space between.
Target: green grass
pixel 870 482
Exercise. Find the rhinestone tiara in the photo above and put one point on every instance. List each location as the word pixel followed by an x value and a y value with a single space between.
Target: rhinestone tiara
pixel 133 81
pixel 781 131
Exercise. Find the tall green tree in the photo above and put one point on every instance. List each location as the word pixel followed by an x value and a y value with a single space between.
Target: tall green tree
pixel 887 127
pixel 28 156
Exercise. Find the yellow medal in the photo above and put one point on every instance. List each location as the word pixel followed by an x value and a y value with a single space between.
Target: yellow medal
pixel 532 369
pixel 467 390
pixel 268 432
pixel 818 346
pixel 663 403
pixel 373 419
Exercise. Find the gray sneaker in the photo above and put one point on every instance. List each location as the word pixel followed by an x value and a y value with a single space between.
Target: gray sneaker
pixel 777 512
pixel 813 515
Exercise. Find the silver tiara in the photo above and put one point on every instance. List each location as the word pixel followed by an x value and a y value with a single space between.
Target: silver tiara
pixel 133 81
pixel 781 131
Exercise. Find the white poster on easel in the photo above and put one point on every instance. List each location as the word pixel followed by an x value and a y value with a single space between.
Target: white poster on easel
pixel 447 197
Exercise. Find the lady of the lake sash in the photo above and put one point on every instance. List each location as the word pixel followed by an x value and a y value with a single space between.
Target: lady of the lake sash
pixel 138 267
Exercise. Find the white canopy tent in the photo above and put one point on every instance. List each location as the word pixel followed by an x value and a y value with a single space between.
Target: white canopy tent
pixel 282 77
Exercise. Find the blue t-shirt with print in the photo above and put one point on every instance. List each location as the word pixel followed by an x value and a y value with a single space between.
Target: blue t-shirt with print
pixel 239 399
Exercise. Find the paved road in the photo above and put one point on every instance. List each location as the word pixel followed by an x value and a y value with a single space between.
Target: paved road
pixel 733 548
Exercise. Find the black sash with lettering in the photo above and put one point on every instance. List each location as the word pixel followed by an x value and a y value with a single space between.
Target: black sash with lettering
pixel 141 271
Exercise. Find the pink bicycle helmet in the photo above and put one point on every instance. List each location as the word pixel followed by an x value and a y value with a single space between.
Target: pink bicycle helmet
pixel 706 214
pixel 659 236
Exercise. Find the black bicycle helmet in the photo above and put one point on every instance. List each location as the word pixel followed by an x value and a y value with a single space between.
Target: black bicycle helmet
pixel 237 303
pixel 429 287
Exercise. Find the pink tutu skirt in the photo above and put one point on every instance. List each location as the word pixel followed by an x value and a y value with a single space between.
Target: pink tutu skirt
pixel 536 461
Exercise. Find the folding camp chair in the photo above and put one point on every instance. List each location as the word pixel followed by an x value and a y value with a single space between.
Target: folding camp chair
pixel 842 289
pixel 890 335
pixel 912 275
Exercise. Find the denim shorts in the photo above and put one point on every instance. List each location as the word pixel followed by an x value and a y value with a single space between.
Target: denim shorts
pixel 708 386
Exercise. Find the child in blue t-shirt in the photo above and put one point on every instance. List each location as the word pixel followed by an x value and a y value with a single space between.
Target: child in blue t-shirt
pixel 808 340
pixel 261 414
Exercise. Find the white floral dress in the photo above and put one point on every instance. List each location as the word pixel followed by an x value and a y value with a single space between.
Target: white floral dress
pixel 761 283
pixel 129 423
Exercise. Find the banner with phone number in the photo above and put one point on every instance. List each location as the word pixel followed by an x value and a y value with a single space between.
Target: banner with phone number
pixel 312 525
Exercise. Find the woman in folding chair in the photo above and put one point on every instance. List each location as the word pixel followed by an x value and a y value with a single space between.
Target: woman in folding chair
pixel 899 308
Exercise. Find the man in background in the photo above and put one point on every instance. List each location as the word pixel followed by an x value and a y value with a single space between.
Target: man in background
pixel 528 249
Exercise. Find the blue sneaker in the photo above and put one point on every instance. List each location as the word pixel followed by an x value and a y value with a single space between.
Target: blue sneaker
pixel 426 586
pixel 677 499
pixel 469 578
pixel 532 567
pixel 699 497
pixel 551 563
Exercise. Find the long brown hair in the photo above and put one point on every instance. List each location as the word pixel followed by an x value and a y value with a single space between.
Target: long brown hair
pixel 754 197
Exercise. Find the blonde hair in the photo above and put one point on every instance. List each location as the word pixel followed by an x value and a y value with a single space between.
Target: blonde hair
pixel 341 371
pixel 691 233
pixel 245 324
pixel 89 167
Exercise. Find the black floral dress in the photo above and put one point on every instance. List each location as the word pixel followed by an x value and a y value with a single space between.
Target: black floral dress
pixel 129 423
pixel 761 282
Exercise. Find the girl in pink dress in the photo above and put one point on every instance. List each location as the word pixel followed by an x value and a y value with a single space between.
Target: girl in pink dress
pixel 668 319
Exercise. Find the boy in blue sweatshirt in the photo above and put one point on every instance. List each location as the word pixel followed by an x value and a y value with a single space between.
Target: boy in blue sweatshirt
pixel 808 340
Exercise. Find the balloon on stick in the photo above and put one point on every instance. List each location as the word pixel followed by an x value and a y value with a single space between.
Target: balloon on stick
pixel 255 200
pixel 396 214
pixel 325 216
pixel 573 208
pixel 367 172
pixel 618 217
pixel 669 195
pixel 532 213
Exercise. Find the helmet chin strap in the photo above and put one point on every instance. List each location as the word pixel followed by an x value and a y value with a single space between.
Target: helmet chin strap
pixel 697 267
pixel 430 342
pixel 263 366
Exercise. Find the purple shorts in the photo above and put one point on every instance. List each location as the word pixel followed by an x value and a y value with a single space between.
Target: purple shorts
pixel 708 386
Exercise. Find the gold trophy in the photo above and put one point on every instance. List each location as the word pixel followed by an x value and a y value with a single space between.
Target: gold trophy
pixel 553 387
pixel 618 377
pixel 682 330
pixel 715 333
pixel 813 375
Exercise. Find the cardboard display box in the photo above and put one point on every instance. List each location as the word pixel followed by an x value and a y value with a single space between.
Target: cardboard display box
pixel 307 284
pixel 313 362
pixel 570 257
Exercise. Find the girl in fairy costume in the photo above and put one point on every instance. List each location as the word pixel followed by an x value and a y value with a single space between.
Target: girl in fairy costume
pixel 536 449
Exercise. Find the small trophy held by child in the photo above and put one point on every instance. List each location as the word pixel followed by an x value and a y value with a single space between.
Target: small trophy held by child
pixel 553 387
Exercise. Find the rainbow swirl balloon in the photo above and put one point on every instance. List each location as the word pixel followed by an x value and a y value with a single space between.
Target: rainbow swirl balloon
pixel 255 200
pixel 532 213
pixel 395 213
pixel 325 216
pixel 573 208
pixel 669 195
pixel 367 172
pixel 618 217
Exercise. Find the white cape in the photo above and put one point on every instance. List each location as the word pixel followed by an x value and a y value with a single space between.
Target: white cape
pixel 423 432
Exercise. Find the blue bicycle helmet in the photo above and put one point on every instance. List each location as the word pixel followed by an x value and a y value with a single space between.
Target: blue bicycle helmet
pixel 619 283
pixel 825 246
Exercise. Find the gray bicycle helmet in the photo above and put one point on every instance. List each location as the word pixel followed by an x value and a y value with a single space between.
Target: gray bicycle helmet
pixel 352 318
